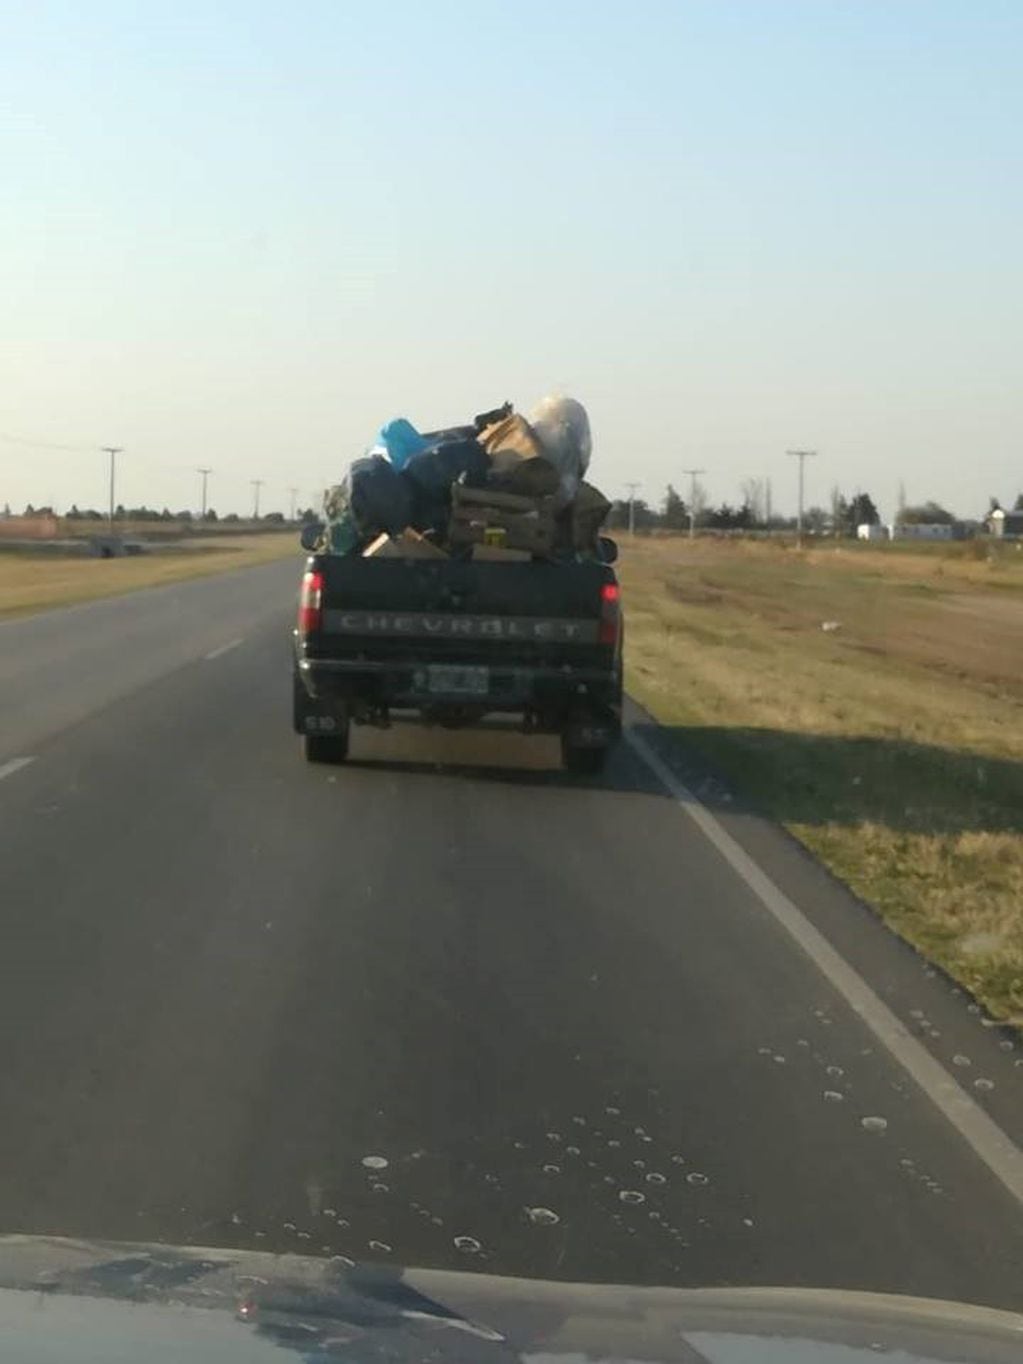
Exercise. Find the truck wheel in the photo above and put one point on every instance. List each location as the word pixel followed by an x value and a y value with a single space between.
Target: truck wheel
pixel 583 762
pixel 326 748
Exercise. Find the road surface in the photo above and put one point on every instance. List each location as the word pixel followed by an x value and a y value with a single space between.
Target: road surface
pixel 445 1006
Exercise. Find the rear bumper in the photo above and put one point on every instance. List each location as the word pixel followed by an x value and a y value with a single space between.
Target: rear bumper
pixel 406 685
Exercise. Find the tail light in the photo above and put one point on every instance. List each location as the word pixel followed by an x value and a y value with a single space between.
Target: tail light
pixel 610 613
pixel 310 603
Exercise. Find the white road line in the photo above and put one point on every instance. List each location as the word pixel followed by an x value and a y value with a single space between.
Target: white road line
pixel 8 769
pixel 994 1147
pixel 224 649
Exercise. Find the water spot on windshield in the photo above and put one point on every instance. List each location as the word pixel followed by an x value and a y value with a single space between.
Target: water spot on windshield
pixel 614 1112
pixel 654 1178
pixel 614 1143
pixel 631 1196
pixel 982 1082
pixel 552 1169
pixel 375 1162
pixel 579 1122
pixel 678 1160
pixel 468 1245
pixel 695 1177
pixel 289 1226
pixel 874 1124
pixel 963 1061
pixel 380 1246
pixel 832 1096
pixel 747 1221
pixel 1006 1045
pixel 779 1059
pixel 572 1151
pixel 802 1042
pixel 836 1072
pixel 553 1136
pixel 543 1217
pixel 381 1188
pixel 342 1262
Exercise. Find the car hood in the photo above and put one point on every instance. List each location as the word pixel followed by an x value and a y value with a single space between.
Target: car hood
pixel 93 1301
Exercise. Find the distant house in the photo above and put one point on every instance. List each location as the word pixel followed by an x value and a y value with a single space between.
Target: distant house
pixel 869 532
pixel 922 531
pixel 1007 525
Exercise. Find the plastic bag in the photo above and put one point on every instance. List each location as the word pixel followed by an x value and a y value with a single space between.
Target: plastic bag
pixel 379 497
pixel 563 429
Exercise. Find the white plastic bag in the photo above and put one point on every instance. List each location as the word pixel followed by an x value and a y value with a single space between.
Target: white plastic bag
pixel 563 429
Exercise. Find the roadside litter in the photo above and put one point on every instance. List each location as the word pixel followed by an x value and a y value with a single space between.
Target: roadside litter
pixel 504 486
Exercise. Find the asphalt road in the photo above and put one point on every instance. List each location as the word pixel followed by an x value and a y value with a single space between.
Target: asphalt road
pixel 385 1010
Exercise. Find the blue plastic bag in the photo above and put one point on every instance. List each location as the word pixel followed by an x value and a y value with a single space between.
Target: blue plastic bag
pixel 401 440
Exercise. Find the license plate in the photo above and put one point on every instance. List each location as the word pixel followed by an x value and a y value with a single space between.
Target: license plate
pixel 452 681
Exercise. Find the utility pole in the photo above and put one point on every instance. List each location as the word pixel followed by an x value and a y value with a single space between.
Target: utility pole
pixel 257 483
pixel 113 451
pixel 802 456
pixel 205 475
pixel 294 494
pixel 768 500
pixel 632 506
pixel 694 474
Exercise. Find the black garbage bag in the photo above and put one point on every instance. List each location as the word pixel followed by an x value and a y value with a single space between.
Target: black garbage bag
pixel 433 471
pixel 380 498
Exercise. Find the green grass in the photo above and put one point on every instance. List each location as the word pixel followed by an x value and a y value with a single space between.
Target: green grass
pixel 892 747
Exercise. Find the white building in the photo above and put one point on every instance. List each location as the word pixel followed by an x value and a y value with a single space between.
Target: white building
pixel 866 532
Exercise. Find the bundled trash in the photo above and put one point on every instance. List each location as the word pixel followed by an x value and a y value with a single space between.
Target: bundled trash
pixel 505 486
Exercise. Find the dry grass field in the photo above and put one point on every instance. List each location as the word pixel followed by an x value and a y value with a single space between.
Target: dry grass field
pixel 31 582
pixel 890 742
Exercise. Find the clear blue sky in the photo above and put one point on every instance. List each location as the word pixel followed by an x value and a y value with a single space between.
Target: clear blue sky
pixel 243 235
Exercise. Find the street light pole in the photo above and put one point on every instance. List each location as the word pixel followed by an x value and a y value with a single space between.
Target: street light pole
pixel 205 475
pixel 294 494
pixel 257 483
pixel 113 451
pixel 632 506
pixel 802 456
pixel 694 474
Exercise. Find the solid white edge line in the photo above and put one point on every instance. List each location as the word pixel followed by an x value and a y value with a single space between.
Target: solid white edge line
pixel 223 649
pixel 994 1147
pixel 8 769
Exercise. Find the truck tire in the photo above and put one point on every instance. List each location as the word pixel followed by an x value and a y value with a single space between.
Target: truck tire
pixel 582 762
pixel 326 748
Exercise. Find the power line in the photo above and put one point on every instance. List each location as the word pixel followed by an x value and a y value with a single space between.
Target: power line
pixel 802 456
pixel 694 474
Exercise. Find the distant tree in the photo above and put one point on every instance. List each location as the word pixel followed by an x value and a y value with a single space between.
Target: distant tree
pixel 861 512
pixel 675 515
pixel 7 510
pixel 274 518
pixel 119 512
pixel 166 514
pixel 183 516
pixel 232 517
pixel 726 517
pixel 928 514
pixel 29 510
pixel 73 513
pixel 211 514
pixel 816 520
pixel 754 496
pixel 993 504
pixel 1018 504
pixel 308 517
pixel 618 516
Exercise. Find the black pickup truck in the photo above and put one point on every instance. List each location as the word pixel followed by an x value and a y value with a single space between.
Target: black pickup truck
pixel 453 641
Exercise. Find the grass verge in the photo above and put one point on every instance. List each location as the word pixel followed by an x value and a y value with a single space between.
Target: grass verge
pixel 30 583
pixel 890 742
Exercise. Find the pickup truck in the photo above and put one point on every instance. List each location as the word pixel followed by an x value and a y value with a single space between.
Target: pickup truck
pixel 453 641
